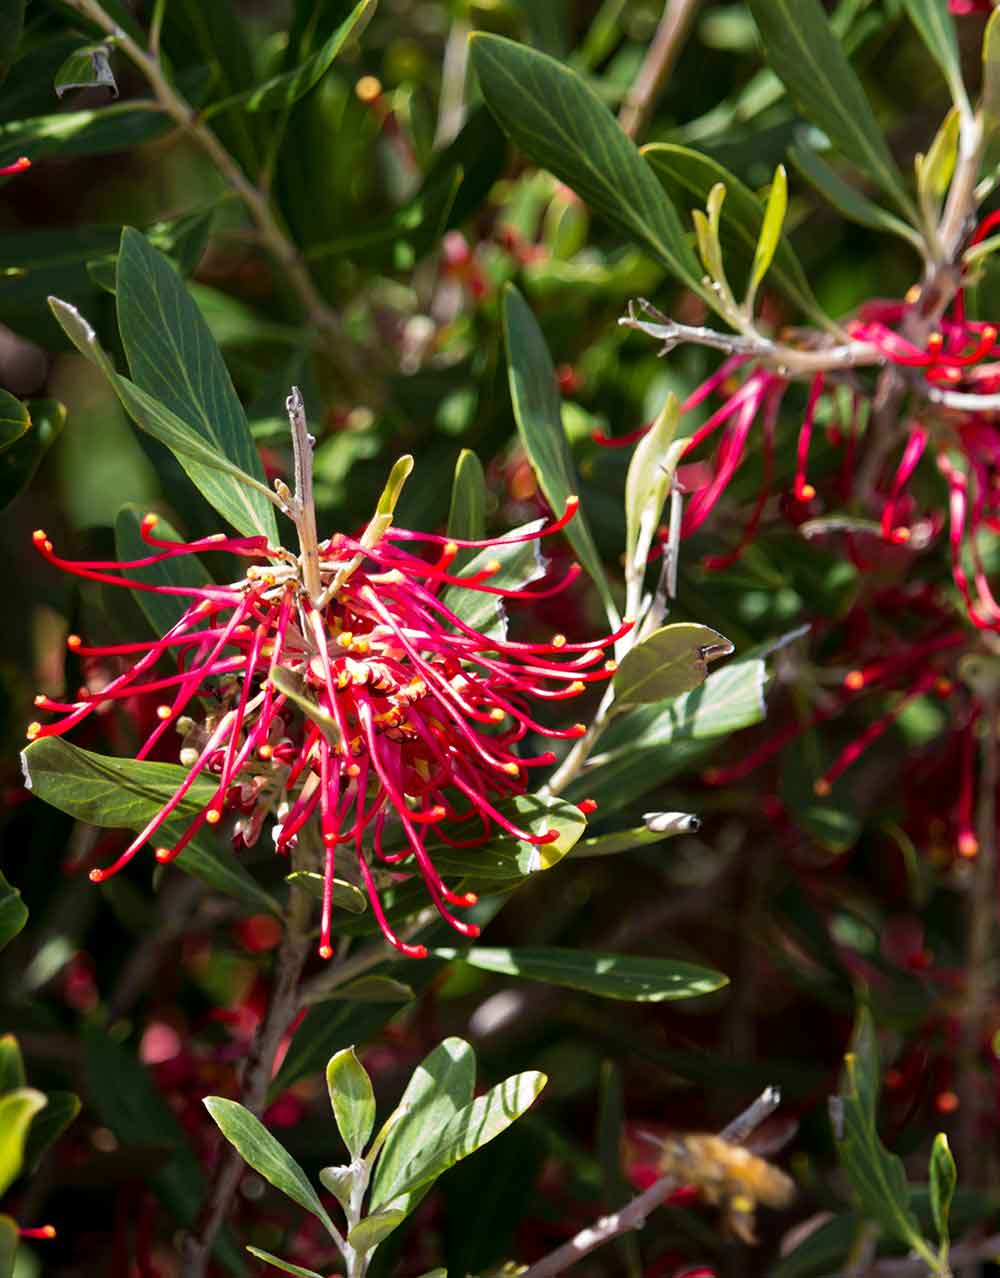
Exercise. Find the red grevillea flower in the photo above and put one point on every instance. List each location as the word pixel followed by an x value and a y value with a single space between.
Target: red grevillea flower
pixel 372 712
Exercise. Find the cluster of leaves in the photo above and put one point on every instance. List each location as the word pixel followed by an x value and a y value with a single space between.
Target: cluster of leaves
pixel 474 311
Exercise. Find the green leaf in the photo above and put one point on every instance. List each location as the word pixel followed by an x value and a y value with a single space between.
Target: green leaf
pixel 14 420
pixel 877 1177
pixel 806 56
pixel 20 460
pixel 558 120
pixel 129 1103
pixel 87 68
pixel 339 1181
pixel 647 484
pixel 471 1128
pixel 162 611
pixel 640 836
pixel 49 1125
pixel 11 1064
pixel 281 91
pixel 848 201
pixel 11 27
pixel 265 1155
pixel 521 563
pixel 128 793
pixel 771 227
pixel 17 1109
pixel 368 1233
pixel 91 132
pixel 352 1100
pixel 937 29
pixel 345 895
pixel 671 660
pixel 13 912
pixel 991 73
pixel 83 335
pixel 510 858
pixel 173 357
pixel 285 1266
pixel 440 1087
pixel 182 238
pixel 942 1178
pixel 538 413
pixel 370 989
pixel 467 516
pixel 610 1142
pixel 617 976
pixel 9 1239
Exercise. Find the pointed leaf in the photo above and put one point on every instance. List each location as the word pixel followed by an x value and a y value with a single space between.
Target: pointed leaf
pixel 943 1177
pixel 17 1109
pixel 338 1181
pixel 11 1064
pixel 352 1100
pixel 256 1146
pixel 668 662
pixel 21 459
pixel 345 895
pixel 807 57
pixel 618 976
pixel 471 1128
pixel 521 563
pixel 538 413
pixel 848 201
pixel 370 989
pixel 558 120
pixel 937 29
pixel 283 90
pixel 368 1233
pixel 509 858
pixel 440 1087
pixel 285 1266
pixel 647 483
pixel 638 837
pixel 162 611
pixel 11 27
pixel 173 357
pixel 49 1125
pixel 770 231
pixel 13 912
pixel 467 516
pixel 14 420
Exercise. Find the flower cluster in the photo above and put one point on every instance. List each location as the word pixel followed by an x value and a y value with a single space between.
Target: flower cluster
pixel 372 713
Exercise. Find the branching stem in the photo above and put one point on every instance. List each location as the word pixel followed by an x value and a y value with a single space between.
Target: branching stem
pixel 656 66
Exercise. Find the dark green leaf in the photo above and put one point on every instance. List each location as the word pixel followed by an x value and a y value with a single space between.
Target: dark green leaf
pixel 467 516
pixel 174 358
pixel 9 1239
pixel 689 174
pixel 11 26
pixel 538 413
pixel 183 239
pixel 21 459
pixel 370 989
pixel 639 837
pixel 440 1087
pixel 283 90
pixel 345 895
pixel 848 201
pixel 618 976
pixel 510 858
pixel 162 611
pixel 48 1125
pixel 285 1266
pixel 991 73
pixel 87 68
pixel 368 1233
pixel 672 660
pixel 93 132
pixel 129 1103
pixel 806 56
pixel 13 912
pixel 11 1064
pixel 352 1100
pixel 265 1155
pixel 937 28
pixel 469 1129
pixel 17 1109
pixel 558 120
pixel 943 1177
pixel 15 421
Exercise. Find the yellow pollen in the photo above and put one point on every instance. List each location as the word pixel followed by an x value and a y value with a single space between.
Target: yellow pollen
pixel 150 521
pixel 450 549
pixel 33 730
pixel 213 816
pixel 611 666
pixel 496 714
pixel 326 952
pixel 989 332
pixel 558 641
pixel 242 629
pixel 39 535
pixel 579 729
pixel 41 699
pixel 821 788
pixel 163 712
pixel 512 769
pixel 343 679
pixel 576 687
pixel 901 534
pixel 493 566
pixel 265 752
pixel 162 854
pixel 74 641
pixel 912 295
pixel 807 492
pixel 352 770
pixel 267 649
pixel 854 680
pixel 344 639
pixel 368 88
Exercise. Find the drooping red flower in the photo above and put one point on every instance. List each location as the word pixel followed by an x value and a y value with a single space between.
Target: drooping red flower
pixel 373 711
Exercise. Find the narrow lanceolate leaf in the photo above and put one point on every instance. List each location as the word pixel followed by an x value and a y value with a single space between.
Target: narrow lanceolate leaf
pixel 558 120
pixel 368 1233
pixel 647 484
pixel 11 1064
pixel 618 976
pixel 937 28
pixel 848 201
pixel 173 357
pixel 467 516
pixel 352 1100
pixel 285 1266
pixel 807 57
pixel 14 420
pixel 13 912
pixel 48 1125
pixel 641 836
pixel 991 72
pixel 11 26
pixel 943 1178
pixel 538 413
pixel 770 231
pixel 440 1087
pixel 283 90
pixel 17 1109
pixel 672 660
pixel 266 1156
pixel 162 611
pixel 470 1129
pixel 520 563
pixel 20 461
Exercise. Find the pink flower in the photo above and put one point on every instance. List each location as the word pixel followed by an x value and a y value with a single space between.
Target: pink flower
pixel 970 6
pixel 374 713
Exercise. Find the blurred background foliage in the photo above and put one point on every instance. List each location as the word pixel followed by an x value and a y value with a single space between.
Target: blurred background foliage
pixel 412 211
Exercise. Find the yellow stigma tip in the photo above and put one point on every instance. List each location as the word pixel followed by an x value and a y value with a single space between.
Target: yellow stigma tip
pixel 558 641
pixel 496 714
pixel 39 534
pixel 163 712
pixel 33 730
pixel 326 952
pixel 213 816
pixel 512 769
pixel 576 687
pixel 611 666
pixel 854 680
pixel 73 641
pixel 493 566
pixel 150 521
pixel 265 752
pixel 821 788
pixel 807 492
pixel 40 699
pixel 450 548
pixel 368 88
pixel 96 876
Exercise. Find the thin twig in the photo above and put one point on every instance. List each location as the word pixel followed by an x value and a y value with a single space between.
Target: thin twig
pixel 300 504
pixel 657 65
pixel 633 1214
pixel 273 237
